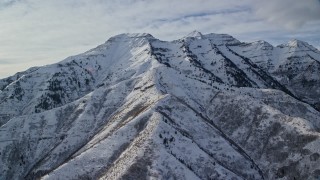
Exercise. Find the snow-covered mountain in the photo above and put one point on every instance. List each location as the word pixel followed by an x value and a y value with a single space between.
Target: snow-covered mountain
pixel 135 107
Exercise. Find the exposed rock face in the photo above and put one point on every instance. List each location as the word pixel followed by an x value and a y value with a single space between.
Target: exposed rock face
pixel 201 107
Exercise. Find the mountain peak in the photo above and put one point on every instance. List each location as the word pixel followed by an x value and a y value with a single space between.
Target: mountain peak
pixel 261 44
pixel 195 34
pixel 222 39
pixel 218 39
pixel 295 43
pixel 132 35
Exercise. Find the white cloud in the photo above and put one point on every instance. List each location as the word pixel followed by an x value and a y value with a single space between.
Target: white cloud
pixel 288 13
pixel 38 32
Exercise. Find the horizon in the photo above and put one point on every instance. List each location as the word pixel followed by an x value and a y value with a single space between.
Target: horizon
pixel 37 33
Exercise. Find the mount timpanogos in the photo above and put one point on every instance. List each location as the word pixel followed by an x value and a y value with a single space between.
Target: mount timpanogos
pixel 136 107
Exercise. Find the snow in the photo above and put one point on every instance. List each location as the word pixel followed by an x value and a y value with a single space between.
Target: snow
pixel 204 106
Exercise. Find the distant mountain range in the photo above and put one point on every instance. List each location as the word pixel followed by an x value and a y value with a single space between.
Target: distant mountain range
pixel 136 107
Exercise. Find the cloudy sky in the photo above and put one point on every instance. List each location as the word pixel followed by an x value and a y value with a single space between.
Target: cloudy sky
pixel 39 32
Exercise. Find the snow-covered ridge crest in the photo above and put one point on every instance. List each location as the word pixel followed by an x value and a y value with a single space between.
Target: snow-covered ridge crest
pixel 195 34
pixel 131 35
pixel 218 39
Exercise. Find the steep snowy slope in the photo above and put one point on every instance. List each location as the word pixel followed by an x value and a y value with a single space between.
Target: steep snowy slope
pixel 201 107
pixel 296 65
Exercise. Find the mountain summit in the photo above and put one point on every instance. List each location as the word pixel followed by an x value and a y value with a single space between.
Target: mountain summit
pixel 201 107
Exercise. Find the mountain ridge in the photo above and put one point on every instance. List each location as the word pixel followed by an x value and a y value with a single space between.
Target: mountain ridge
pixel 201 107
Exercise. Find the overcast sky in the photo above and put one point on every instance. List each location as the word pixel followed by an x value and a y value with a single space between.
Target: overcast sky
pixel 39 32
